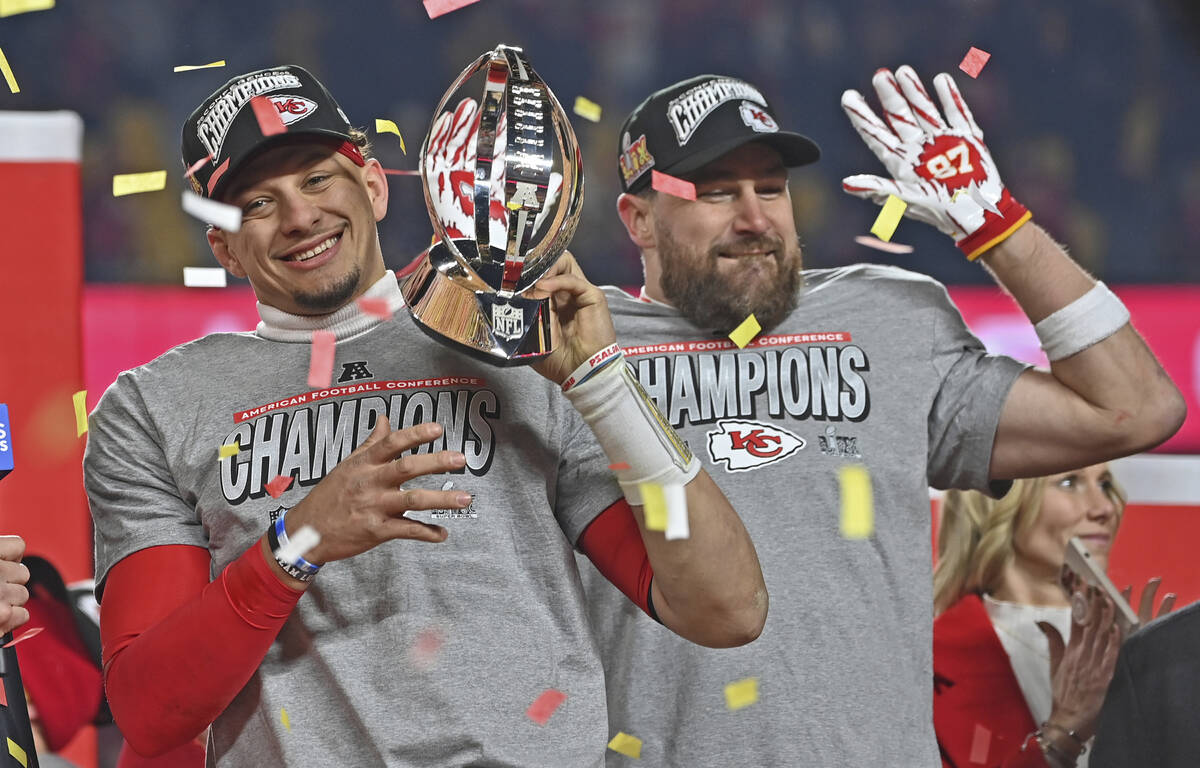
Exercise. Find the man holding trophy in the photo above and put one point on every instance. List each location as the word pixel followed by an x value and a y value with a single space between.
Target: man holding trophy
pixel 398 654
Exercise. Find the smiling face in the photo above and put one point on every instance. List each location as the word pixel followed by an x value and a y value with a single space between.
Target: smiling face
pixel 730 252
pixel 1082 503
pixel 308 242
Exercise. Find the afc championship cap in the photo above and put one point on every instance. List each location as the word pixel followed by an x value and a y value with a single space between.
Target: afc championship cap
pixel 226 128
pixel 687 125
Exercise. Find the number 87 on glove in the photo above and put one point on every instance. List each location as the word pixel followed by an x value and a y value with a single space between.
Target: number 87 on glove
pixel 940 166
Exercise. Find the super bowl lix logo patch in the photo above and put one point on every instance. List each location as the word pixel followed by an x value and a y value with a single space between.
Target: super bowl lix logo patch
pixel 747 445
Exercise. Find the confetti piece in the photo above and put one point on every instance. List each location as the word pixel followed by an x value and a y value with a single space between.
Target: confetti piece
pixel 880 245
pixel 320 366
pixel 620 466
pixel 624 744
pixel 191 171
pixel 3 697
pixel 229 449
pixel 299 544
pixel 741 693
pixel 18 754
pixel 134 183
pixel 375 307
pixel 654 505
pixel 277 485
pixel 543 706
pixel 974 193
pixel 387 126
pixel 394 172
pixel 81 414
pixel 973 62
pixel 745 333
pixel 190 67
pixel 220 215
pixel 13 7
pixel 980 741
pixel 424 651
pixel 269 121
pixel 587 109
pixel 204 277
pixel 9 77
pixel 437 8
pixel 888 218
pixel 283 717
pixel 858 511
pixel 677 512
pixel 673 186
pixel 30 634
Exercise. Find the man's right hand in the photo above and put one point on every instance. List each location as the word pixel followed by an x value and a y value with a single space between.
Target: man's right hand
pixel 13 576
pixel 361 503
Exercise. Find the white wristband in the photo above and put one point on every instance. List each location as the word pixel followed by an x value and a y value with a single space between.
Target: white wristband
pixel 632 431
pixel 598 360
pixel 1088 320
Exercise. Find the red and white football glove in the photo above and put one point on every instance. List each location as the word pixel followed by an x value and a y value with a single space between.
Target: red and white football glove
pixel 450 169
pixel 944 172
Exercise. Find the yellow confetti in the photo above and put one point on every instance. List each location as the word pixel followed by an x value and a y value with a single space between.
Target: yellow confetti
pixel 8 74
pixel 283 716
pixel 587 109
pixel 229 449
pixel 15 750
pixel 133 183
pixel 81 414
pixel 13 7
pixel 858 510
pixel 190 67
pixel 745 333
pixel 888 218
pixel 387 126
pixel 624 744
pixel 741 693
pixel 654 504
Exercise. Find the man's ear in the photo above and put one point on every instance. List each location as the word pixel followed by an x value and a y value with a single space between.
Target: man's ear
pixel 377 187
pixel 637 214
pixel 220 249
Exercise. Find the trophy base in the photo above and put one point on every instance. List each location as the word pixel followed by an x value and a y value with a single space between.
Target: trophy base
pixel 461 311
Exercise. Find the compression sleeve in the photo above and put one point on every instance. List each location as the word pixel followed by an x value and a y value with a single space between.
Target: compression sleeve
pixel 613 542
pixel 166 672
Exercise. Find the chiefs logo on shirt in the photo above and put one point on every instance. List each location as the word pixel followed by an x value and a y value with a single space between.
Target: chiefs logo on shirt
pixel 746 445
pixel 293 108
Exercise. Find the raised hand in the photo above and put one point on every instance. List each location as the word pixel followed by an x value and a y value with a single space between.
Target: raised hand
pixel 361 503
pixel 1145 609
pixel 940 167
pixel 1081 670
pixel 582 325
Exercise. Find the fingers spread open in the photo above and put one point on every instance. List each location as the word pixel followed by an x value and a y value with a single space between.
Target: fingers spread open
pixel 896 108
pixel 877 136
pixel 918 99
pixel 396 473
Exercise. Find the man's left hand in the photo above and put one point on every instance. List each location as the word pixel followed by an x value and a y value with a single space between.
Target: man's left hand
pixel 581 325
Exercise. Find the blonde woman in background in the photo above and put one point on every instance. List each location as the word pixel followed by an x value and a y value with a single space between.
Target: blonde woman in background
pixel 1007 690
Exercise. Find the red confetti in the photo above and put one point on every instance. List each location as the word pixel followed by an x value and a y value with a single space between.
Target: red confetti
pixel 392 172
pixel 979 745
pixel 424 651
pixel 31 633
pixel 883 245
pixel 376 307
pixel 673 186
pixel 278 485
pixel 618 467
pixel 973 62
pixel 320 366
pixel 543 706
pixel 197 166
pixel 437 8
pixel 269 121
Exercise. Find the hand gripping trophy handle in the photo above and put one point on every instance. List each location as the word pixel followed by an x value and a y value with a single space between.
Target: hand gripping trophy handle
pixel 517 218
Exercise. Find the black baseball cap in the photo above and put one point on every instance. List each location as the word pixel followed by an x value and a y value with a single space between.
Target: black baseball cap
pixel 686 126
pixel 225 125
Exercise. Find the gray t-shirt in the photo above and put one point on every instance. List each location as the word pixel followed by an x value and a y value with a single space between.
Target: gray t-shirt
pixel 352 666
pixel 874 367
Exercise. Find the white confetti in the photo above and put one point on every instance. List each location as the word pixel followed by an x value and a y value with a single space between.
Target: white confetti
pixel 677 512
pixel 220 215
pixel 204 277
pixel 299 544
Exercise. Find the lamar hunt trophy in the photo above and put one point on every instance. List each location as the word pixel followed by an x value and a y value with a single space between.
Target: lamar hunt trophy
pixel 503 182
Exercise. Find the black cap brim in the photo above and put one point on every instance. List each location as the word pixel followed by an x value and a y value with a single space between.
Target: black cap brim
pixel 795 149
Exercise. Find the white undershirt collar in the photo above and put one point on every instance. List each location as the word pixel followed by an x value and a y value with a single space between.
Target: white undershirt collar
pixel 347 322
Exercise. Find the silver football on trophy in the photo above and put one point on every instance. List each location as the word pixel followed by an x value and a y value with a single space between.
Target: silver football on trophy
pixel 503 182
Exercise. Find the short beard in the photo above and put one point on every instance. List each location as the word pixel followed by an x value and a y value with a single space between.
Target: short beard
pixel 691 282
pixel 332 298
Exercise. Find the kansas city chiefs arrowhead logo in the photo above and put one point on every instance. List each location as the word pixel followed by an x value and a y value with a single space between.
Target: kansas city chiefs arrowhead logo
pixel 293 108
pixel 746 445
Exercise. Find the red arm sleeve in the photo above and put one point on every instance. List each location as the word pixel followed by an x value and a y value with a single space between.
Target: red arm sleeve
pixel 166 673
pixel 613 542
